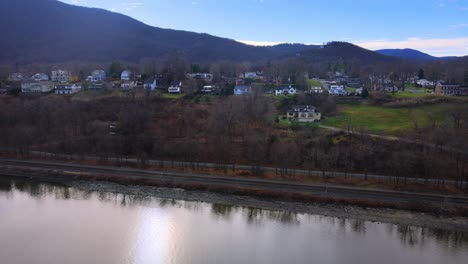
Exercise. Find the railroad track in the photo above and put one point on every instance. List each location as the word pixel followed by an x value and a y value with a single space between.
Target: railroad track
pixel 332 191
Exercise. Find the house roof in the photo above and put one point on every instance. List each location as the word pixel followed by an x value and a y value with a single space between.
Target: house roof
pixel 302 108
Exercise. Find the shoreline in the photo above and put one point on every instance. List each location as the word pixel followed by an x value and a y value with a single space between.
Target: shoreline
pixel 378 215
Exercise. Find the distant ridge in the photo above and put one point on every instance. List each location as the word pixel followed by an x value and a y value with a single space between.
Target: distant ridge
pixel 408 54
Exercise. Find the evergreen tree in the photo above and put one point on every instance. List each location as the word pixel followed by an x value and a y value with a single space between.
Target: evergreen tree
pixel 421 74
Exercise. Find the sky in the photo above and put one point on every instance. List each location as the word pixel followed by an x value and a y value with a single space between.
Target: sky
pixel 437 27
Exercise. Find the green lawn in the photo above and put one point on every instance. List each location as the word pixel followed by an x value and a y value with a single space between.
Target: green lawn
pixel 406 94
pixel 385 120
pixel 350 89
pixel 313 83
pixel 171 96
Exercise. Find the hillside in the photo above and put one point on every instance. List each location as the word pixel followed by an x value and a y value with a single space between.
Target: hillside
pixel 52 31
pixel 49 31
pixel 408 54
pixel 341 51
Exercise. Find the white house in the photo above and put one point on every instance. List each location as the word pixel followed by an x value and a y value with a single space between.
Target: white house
pixel 175 88
pixel 126 75
pixel 200 76
pixel 150 84
pixel 60 76
pixel 285 90
pixel 391 89
pixel 97 76
pixel 337 90
pixel 127 85
pixel 304 113
pixel 425 83
pixel 67 89
pixel 36 87
pixel 316 90
pixel 40 77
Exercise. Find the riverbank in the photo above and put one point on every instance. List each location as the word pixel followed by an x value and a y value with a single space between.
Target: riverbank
pixel 339 210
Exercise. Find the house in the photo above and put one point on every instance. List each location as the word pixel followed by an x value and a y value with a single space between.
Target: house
pixel 450 90
pixel 36 87
pixel 60 76
pixel 425 83
pixel 67 89
pixel 242 90
pixel 40 77
pixel 16 77
pixel 391 89
pixel 127 85
pixel 337 90
pixel 200 76
pixel 150 84
pixel 285 90
pixel 209 89
pixel 316 90
pixel 176 87
pixel 126 75
pixel 304 113
pixel 97 76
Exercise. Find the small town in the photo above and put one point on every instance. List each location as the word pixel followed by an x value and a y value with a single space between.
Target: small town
pixel 338 84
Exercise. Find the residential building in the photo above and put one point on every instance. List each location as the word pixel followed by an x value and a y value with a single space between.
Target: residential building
pixel 150 84
pixel 391 89
pixel 450 90
pixel 40 77
pixel 209 89
pixel 16 77
pixel 127 85
pixel 337 90
pixel 316 90
pixel 60 76
pixel 67 89
pixel 126 75
pixel 176 87
pixel 425 83
pixel 285 90
pixel 36 87
pixel 97 76
pixel 242 90
pixel 200 76
pixel 304 113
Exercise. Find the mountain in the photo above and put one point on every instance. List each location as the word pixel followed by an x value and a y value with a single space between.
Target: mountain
pixel 52 31
pixel 407 54
pixel 335 52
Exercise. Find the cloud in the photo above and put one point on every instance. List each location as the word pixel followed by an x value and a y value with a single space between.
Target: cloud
pixel 457 26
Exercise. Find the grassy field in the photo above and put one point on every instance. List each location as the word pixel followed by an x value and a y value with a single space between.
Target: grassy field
pixel 389 121
pixel 313 83
pixel 409 94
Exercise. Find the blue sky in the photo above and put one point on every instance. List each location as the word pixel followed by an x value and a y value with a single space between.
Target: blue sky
pixel 438 27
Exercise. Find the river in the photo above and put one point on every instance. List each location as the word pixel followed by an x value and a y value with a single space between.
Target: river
pixel 44 223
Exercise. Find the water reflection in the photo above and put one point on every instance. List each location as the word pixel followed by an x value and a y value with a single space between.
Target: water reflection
pixel 168 230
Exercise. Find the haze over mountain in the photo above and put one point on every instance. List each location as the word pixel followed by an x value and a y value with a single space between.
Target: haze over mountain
pixel 49 31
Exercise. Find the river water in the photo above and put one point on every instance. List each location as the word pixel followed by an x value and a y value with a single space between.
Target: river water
pixel 51 224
